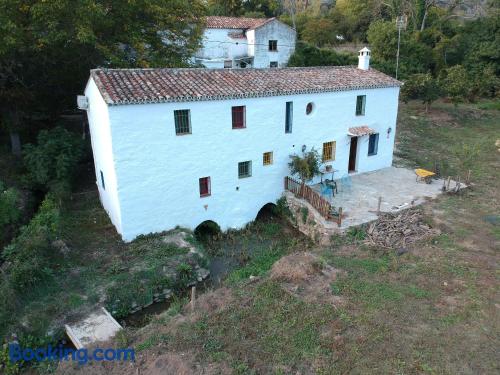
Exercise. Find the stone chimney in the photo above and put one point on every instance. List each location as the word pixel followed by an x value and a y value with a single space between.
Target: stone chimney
pixel 364 59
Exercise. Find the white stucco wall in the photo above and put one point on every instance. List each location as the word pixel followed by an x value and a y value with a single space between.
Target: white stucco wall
pixel 274 30
pixel 158 172
pixel 212 46
pixel 102 148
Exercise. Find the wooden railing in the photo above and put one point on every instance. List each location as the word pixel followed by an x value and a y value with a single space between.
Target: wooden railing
pixel 314 198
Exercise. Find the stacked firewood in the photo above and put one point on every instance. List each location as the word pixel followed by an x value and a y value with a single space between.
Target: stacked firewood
pixel 398 230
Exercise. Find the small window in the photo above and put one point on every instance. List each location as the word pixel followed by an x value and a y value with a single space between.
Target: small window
pixel 244 169
pixel 228 64
pixel 373 145
pixel 360 105
pixel 289 117
pixel 273 64
pixel 273 45
pixel 267 158
pixel 329 151
pixel 102 181
pixel 204 187
pixel 238 115
pixel 182 122
pixel 309 108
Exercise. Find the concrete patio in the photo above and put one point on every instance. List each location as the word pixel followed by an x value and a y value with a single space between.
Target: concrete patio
pixel 397 187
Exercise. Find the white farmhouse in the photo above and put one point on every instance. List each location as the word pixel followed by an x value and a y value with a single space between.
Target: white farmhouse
pixel 182 146
pixel 233 42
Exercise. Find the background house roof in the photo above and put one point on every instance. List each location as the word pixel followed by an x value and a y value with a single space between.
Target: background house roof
pixel 134 86
pixel 219 22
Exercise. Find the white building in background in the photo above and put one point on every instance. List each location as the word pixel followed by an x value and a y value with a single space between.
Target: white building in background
pixel 182 146
pixel 233 42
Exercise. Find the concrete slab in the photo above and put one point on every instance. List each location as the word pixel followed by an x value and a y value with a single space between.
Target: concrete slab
pixel 397 187
pixel 97 326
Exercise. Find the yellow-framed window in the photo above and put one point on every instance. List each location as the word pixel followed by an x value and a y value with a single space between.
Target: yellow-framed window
pixel 329 151
pixel 267 158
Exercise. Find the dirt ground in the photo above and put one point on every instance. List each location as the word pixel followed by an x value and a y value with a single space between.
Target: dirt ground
pixel 355 307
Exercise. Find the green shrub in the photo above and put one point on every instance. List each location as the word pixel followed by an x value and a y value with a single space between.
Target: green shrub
pixel 9 212
pixel 52 162
pixel 282 209
pixel 30 251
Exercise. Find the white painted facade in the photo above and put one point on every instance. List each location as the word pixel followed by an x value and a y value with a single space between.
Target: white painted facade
pixel 152 174
pixel 220 45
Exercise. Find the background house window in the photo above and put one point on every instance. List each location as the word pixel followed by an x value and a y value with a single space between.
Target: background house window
pixel 228 64
pixel 244 169
pixel 267 158
pixel 373 144
pixel 102 181
pixel 360 105
pixel 289 117
pixel 204 186
pixel 273 64
pixel 273 45
pixel 182 123
pixel 329 151
pixel 238 114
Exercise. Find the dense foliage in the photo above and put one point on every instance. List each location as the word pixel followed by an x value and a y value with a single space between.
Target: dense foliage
pixel 48 47
pixel 52 162
pixel 308 55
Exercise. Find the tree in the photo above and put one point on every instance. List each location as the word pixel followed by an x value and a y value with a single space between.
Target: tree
pixel 225 7
pixel 48 47
pixel 423 87
pixel 306 166
pixel 269 8
pixel 307 55
pixel 415 57
pixel 456 83
pixel 320 32
pixel 52 162
pixel 9 210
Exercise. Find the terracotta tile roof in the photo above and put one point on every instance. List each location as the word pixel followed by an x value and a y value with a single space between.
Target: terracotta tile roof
pixel 361 130
pixel 134 86
pixel 219 22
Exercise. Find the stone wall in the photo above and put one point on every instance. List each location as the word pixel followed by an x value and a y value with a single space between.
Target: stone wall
pixel 309 222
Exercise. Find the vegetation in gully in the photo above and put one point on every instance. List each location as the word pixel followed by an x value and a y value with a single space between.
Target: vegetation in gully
pixel 357 307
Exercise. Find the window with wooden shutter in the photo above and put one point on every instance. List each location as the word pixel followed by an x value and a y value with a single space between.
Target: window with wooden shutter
pixel 267 158
pixel 329 151
pixel 238 115
pixel 182 122
pixel 204 187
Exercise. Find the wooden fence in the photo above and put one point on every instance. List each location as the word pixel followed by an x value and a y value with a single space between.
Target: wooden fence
pixel 315 199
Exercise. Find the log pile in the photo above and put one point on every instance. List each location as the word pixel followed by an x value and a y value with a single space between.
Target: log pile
pixel 396 231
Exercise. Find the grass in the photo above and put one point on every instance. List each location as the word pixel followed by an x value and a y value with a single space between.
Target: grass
pixel 99 269
pixel 429 311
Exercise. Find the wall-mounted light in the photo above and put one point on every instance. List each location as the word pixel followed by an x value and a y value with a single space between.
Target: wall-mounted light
pixel 389 130
pixel 304 147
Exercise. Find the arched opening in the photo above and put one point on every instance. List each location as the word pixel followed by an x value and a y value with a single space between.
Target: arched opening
pixel 267 213
pixel 206 231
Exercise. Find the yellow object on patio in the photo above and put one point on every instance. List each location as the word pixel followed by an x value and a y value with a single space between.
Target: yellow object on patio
pixel 424 174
